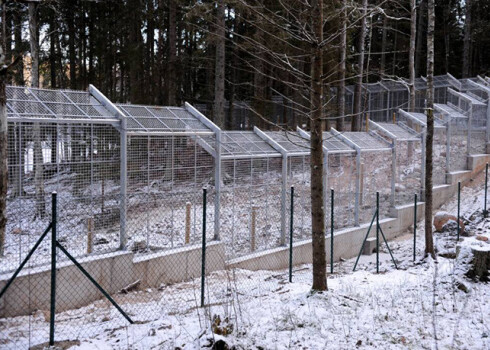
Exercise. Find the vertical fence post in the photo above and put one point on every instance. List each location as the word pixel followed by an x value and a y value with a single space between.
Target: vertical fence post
pixel 485 211
pixel 331 228
pixel 187 237
pixel 377 232
pixel 203 258
pixel 414 226
pixel 52 310
pixel 459 202
pixel 291 223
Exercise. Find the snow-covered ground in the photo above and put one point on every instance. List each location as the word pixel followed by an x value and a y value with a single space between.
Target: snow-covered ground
pixel 423 305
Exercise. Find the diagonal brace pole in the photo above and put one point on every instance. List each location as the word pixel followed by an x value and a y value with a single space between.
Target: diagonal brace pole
pixel 14 276
pixel 365 238
pixel 94 282
pixel 386 242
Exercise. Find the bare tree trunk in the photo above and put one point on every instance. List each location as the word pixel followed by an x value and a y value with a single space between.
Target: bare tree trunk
pixel 356 118
pixel 429 244
pixel 383 47
pixel 219 76
pixel 71 47
pixel 411 56
pixel 3 144
pixel 36 129
pixel 317 210
pixel 172 54
pixel 420 36
pixel 467 41
pixel 341 87
pixel 446 16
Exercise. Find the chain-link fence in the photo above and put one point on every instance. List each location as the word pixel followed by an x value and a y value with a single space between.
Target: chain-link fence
pixel 131 208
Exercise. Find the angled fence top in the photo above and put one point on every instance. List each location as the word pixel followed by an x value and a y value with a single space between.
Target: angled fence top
pixel 421 119
pixel 241 145
pixel 161 120
pixel 365 141
pixel 398 131
pixel 292 142
pixel 334 145
pixel 448 111
pixel 30 104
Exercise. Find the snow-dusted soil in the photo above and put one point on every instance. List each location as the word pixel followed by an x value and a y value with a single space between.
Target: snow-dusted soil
pixel 423 305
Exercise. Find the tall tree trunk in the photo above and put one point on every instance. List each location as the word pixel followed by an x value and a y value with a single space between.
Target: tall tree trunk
pixel 172 56
pixel 36 129
pixel 52 50
pixel 446 17
pixel 18 157
pixel 356 118
pixel 382 65
pixel 343 51
pixel 135 51
pixel 317 210
pixel 52 71
pixel 420 37
pixel 71 47
pixel 219 75
pixel 467 41
pixel 3 143
pixel 429 243
pixel 411 55
pixel 19 49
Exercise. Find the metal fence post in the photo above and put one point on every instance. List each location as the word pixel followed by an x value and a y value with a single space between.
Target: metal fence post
pixel 459 202
pixel 53 268
pixel 485 211
pixel 203 259
pixel 331 228
pixel 377 232
pixel 291 225
pixel 414 226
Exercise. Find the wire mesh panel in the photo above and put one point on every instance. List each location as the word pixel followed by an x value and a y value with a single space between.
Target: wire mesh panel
pixel 376 101
pixel 472 106
pixel 79 162
pixel 165 176
pixel 299 176
pixel 408 166
pixel 251 205
pixel 341 173
pixel 399 96
pixel 376 176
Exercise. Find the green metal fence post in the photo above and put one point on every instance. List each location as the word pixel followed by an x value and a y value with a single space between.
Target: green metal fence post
pixel 291 223
pixel 331 228
pixel 377 232
pixel 52 311
pixel 414 226
pixel 459 202
pixel 485 211
pixel 203 260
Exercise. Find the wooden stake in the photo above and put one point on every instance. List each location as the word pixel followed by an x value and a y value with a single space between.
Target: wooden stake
pixel 252 229
pixel 367 122
pixel 394 118
pixel 187 222
pixel 90 239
